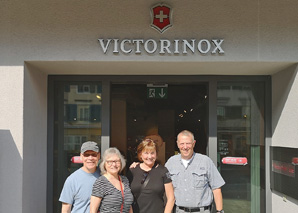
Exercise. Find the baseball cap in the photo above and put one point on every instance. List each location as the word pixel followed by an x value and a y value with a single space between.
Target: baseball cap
pixel 89 145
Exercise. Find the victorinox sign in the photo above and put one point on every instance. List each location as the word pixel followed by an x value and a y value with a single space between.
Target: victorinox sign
pixel 161 16
pixel 161 20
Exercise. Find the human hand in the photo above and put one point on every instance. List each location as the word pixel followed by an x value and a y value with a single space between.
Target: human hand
pixel 133 165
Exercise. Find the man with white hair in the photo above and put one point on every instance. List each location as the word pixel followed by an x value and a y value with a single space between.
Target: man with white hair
pixel 195 178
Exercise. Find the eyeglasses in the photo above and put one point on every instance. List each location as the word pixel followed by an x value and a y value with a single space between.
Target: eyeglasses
pixel 110 162
pixel 145 175
pixel 93 154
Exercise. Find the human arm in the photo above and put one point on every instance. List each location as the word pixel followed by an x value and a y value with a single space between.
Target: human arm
pixel 215 182
pixel 94 204
pixel 66 207
pixel 67 197
pixel 170 197
pixel 130 210
pixel 98 192
pixel 218 199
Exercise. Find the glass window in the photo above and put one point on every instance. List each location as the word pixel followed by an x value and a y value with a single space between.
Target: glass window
pixel 77 115
pixel 240 131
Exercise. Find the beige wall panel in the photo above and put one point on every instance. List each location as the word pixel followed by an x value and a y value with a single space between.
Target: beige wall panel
pixel 11 138
pixel 284 124
pixel 68 30
pixel 278 30
pixel 284 108
pixel 283 204
pixel 35 141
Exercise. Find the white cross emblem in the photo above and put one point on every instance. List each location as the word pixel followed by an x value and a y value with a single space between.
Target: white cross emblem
pixel 161 16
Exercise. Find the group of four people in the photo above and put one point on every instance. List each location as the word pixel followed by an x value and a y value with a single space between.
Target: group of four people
pixel 189 180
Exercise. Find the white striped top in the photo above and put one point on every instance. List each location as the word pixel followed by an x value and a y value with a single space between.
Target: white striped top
pixel 111 196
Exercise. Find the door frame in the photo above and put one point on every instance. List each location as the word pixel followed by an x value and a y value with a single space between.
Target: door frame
pixel 107 81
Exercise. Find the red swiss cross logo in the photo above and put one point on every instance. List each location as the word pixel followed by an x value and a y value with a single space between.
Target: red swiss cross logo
pixel 161 15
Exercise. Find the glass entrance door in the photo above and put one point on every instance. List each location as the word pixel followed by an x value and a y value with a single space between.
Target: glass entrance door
pixel 77 119
pixel 240 131
pixel 135 110
pixel 240 137
pixel 139 110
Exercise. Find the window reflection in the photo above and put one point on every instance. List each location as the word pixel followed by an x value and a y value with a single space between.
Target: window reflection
pixel 240 134
pixel 77 119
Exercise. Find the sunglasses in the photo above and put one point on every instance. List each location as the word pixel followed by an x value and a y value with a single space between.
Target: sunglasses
pixel 145 175
pixel 94 154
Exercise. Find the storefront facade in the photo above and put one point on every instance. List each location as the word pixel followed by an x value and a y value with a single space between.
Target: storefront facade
pixel 116 71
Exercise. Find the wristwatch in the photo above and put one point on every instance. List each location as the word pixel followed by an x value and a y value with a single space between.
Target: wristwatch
pixel 220 211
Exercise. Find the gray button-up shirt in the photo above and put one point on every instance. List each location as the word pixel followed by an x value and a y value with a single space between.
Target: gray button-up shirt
pixel 193 185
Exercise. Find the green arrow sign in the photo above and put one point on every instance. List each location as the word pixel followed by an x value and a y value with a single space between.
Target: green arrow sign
pixel 157 92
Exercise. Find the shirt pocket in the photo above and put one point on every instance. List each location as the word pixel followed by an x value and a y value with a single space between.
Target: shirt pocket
pixel 199 179
pixel 174 177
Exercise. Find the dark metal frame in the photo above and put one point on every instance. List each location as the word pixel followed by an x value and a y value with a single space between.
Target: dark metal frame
pixel 107 80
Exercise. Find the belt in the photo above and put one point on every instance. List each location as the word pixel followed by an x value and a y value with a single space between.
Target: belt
pixel 195 209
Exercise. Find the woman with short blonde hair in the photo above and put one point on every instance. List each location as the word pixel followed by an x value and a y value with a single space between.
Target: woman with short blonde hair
pixel 150 181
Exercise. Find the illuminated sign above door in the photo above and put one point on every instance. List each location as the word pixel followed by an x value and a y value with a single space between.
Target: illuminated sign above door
pixel 157 91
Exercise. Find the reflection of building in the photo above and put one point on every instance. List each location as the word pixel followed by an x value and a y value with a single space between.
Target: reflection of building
pixel 240 134
pixel 234 115
pixel 82 115
pixel 77 119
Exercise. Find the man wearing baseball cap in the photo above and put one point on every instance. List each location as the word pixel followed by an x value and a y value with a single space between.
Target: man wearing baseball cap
pixel 77 189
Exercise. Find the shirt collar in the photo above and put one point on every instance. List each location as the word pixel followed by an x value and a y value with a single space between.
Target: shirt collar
pixel 191 159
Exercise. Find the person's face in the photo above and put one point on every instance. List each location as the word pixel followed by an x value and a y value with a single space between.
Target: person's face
pixel 113 164
pixel 149 157
pixel 186 146
pixel 156 139
pixel 90 160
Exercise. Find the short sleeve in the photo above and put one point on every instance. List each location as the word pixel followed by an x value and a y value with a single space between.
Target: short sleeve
pixel 166 176
pixel 215 179
pixel 130 175
pixel 98 189
pixel 67 194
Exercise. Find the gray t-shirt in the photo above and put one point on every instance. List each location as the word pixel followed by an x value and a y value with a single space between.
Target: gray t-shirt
pixel 193 184
pixel 77 190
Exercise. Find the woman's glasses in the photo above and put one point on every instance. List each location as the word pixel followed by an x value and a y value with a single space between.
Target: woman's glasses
pixel 111 162
pixel 145 175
